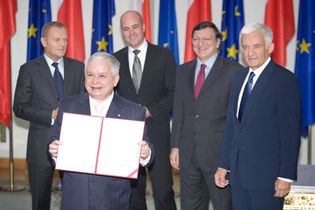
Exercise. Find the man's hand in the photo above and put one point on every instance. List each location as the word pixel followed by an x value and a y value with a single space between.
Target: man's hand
pixel 53 148
pixel 174 158
pixel 145 150
pixel 220 178
pixel 282 188
pixel 147 113
pixel 54 113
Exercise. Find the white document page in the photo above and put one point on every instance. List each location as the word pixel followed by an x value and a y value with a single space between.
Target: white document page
pixel 98 145
pixel 120 147
pixel 80 136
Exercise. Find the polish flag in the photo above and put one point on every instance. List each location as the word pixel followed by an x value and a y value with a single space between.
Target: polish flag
pixel 143 6
pixel 279 16
pixel 199 10
pixel 8 10
pixel 70 14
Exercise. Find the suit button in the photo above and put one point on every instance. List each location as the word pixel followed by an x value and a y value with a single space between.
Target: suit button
pixel 197 116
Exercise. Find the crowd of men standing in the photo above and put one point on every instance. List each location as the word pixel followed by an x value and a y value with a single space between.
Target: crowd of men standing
pixel 235 133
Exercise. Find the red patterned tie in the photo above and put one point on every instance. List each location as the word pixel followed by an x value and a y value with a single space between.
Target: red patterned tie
pixel 200 80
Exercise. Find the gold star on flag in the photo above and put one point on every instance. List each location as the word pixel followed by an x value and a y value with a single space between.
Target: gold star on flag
pixel 110 31
pixel 31 31
pixel 102 45
pixel 165 45
pixel 232 51
pixel 304 46
pixel 236 12
pixel 224 35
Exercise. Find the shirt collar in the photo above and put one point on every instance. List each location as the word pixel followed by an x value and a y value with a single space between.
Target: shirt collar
pixel 50 61
pixel 260 69
pixel 143 47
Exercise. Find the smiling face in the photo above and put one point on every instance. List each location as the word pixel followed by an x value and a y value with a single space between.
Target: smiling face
pixel 132 28
pixel 254 49
pixel 55 43
pixel 99 79
pixel 205 44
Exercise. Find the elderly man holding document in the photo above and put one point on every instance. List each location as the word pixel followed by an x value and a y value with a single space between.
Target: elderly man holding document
pixel 91 191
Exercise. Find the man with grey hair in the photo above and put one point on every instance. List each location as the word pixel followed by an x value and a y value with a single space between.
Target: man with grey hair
pixel 262 133
pixel 88 191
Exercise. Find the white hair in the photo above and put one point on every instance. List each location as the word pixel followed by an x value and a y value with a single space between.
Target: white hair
pixel 115 65
pixel 252 27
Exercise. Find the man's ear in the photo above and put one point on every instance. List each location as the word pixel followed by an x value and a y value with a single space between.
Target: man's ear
pixel 43 41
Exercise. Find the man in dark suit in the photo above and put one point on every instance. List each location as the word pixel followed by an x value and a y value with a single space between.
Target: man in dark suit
pixel 147 77
pixel 262 134
pixel 37 100
pixel 199 118
pixel 94 192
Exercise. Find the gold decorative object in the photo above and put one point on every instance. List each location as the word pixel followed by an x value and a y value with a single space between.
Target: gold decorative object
pixel 300 198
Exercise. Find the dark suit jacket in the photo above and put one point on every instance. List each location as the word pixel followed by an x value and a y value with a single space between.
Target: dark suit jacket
pixel 156 90
pixel 36 97
pixel 198 124
pixel 265 145
pixel 89 192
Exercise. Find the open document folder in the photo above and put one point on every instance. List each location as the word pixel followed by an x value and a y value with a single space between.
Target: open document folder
pixel 99 145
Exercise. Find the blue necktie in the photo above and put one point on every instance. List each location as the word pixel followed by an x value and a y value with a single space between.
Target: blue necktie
pixel 247 90
pixel 58 81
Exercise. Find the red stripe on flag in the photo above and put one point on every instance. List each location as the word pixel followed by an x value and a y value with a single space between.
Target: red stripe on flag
pixel 147 19
pixel 200 10
pixel 7 29
pixel 70 14
pixel 279 16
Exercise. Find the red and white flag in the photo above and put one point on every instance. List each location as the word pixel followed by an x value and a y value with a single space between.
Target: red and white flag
pixel 143 7
pixel 8 9
pixel 199 10
pixel 279 16
pixel 70 14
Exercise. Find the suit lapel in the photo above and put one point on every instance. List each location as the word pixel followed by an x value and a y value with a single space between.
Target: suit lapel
pixel 239 83
pixel 214 74
pixel 84 105
pixel 46 75
pixel 260 86
pixel 190 76
pixel 114 108
pixel 67 76
pixel 125 70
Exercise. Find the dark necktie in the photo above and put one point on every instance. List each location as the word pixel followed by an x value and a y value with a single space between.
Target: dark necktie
pixel 247 90
pixel 200 80
pixel 58 81
pixel 136 71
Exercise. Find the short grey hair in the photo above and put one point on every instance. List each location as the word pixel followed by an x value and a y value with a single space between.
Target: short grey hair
pixel 252 27
pixel 115 65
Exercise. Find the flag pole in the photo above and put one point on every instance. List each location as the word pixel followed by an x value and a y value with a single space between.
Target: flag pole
pixel 11 187
pixel 309 147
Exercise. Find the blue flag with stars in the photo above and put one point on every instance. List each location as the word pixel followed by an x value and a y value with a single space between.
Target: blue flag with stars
pixel 102 32
pixel 39 14
pixel 305 61
pixel 232 23
pixel 168 27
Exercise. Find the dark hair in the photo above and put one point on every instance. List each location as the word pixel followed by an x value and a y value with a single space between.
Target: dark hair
pixel 50 25
pixel 207 24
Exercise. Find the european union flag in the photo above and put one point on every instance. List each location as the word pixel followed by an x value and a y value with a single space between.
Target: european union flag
pixel 232 23
pixel 168 27
pixel 102 34
pixel 39 15
pixel 305 61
